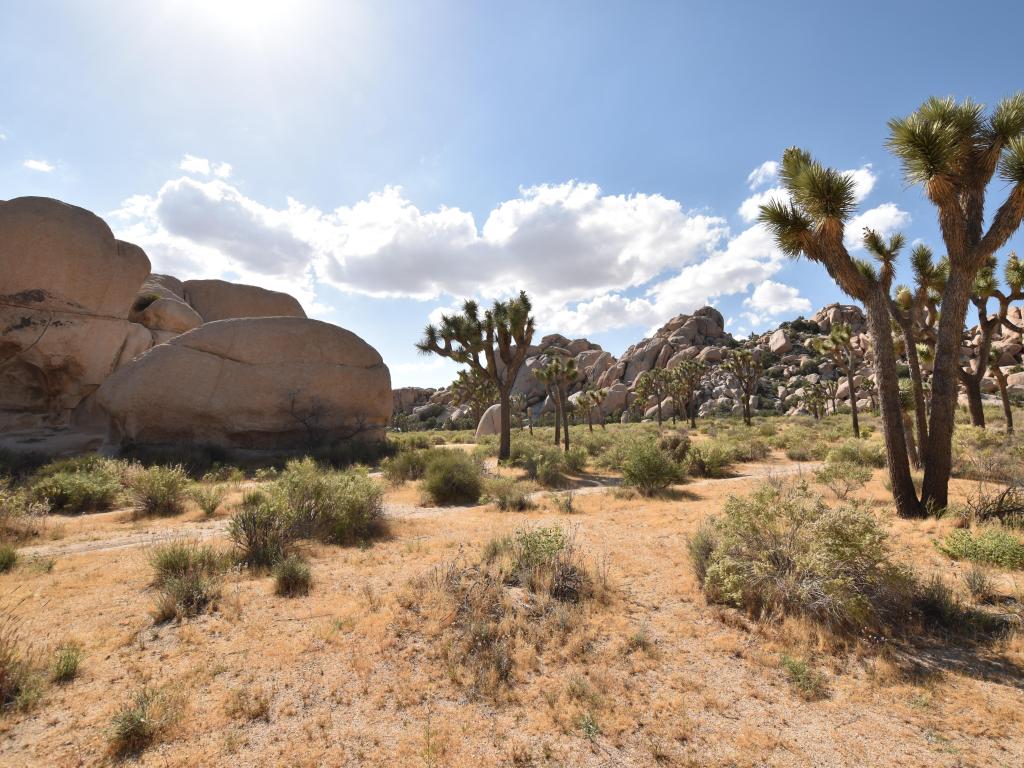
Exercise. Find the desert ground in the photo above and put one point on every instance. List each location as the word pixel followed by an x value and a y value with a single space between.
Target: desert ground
pixel 369 668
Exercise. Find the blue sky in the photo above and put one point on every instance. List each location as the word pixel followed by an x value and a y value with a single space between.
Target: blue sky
pixel 383 160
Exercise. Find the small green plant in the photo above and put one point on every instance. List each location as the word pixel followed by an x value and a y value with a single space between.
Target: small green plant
pixel 510 495
pixel 82 484
pixel 807 681
pixel 292 577
pixel 158 490
pixel 65 665
pixel 854 451
pixel 138 723
pixel 993 546
pixel 589 726
pixel 178 558
pixel 565 502
pixel 575 459
pixel 207 497
pixel 649 469
pixel 407 465
pixel 676 445
pixel 259 531
pixel 181 597
pixel 978 583
pixel 453 477
pixel 709 460
pixel 8 557
pixel 842 477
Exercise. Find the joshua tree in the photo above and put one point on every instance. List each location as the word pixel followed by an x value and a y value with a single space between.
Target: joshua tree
pixel 746 369
pixel 557 376
pixel 653 383
pixel 684 382
pixel 838 345
pixel 830 387
pixel 986 287
pixel 867 386
pixel 591 399
pixel 494 346
pixel 1000 377
pixel 813 224
pixel 521 407
pixel 954 151
pixel 814 398
pixel 475 389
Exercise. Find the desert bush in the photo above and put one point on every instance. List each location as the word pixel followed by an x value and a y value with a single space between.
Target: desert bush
pixel 745 449
pixel 565 502
pixel 542 461
pixel 453 477
pixel 81 484
pixel 406 465
pixel 8 557
pixel 141 721
pixel 66 663
pixel 991 545
pixel 19 669
pixel 158 490
pixel 260 531
pixel 978 583
pixel 676 445
pixel 701 546
pixel 346 453
pixel 336 507
pixel 649 469
pixel 859 452
pixel 842 477
pixel 783 551
pixel 806 681
pixel 292 576
pixel 709 460
pixel 509 495
pixel 179 558
pixel 1004 505
pixel 20 516
pixel 575 459
pixel 185 596
pixel 207 497
pixel 596 443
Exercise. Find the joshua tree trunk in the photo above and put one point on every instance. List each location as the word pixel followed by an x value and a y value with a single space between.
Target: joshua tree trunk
pixel 974 403
pixel 505 411
pixel 903 491
pixel 937 456
pixel 565 416
pixel 908 433
pixel 692 408
pixel 853 399
pixel 916 381
pixel 746 408
pixel 1005 397
pixel 659 412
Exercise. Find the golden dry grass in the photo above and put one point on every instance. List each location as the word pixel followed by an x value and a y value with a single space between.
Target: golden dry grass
pixel 357 674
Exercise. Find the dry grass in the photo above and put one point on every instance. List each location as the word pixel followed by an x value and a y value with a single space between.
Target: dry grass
pixel 370 668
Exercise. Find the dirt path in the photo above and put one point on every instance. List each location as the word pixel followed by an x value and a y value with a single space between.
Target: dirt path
pixel 210 529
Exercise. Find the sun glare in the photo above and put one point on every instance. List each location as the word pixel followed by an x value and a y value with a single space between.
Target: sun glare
pixel 249 20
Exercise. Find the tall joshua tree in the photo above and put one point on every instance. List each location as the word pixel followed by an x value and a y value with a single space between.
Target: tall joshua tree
pixel 686 378
pixel 746 369
pixel 591 400
pixel 812 223
pixel 954 151
pixel 557 376
pixel 838 346
pixel 1000 377
pixel 493 345
pixel 653 383
pixel 475 389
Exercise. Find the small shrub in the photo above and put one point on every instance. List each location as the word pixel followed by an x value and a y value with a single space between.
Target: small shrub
pixel 407 465
pixel 185 596
pixel 676 445
pixel 842 477
pixel 259 531
pixel 20 516
pixel 65 666
pixel 82 484
pixel 292 577
pixel 783 551
pixel 452 477
pixel 978 583
pixel 137 724
pixel 19 674
pixel 709 460
pixel 807 681
pixel 575 459
pixel 1004 505
pixel 207 497
pixel 510 495
pixel 701 546
pixel 988 545
pixel 178 558
pixel 336 507
pixel 158 490
pixel 860 452
pixel 8 557
pixel 565 503
pixel 649 469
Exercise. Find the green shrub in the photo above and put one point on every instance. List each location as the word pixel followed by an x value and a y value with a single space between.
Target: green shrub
pixel 509 495
pixel 157 490
pixel 575 459
pixel 453 477
pixel 336 507
pixel 178 558
pixel 292 577
pixel 20 516
pixel 136 725
pixel 701 546
pixel 259 531
pixel 854 451
pixel 8 557
pixel 565 502
pixel 207 497
pixel 407 465
pixel 649 469
pixel 81 484
pixel 543 462
pixel 185 596
pixel 65 666
pixel 746 449
pixel 783 551
pixel 709 460
pixel 988 545
pixel 807 681
pixel 676 445
pixel 842 477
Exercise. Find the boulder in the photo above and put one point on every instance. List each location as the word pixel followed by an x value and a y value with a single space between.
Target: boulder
pixel 710 355
pixel 220 300
pixel 169 315
pixel 616 399
pixel 778 343
pixel 490 422
pixel 66 287
pixel 257 383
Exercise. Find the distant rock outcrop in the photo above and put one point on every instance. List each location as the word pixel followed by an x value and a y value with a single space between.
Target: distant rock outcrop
pixel 252 383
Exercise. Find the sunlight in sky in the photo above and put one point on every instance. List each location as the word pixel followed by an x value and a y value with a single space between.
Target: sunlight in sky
pixel 247 21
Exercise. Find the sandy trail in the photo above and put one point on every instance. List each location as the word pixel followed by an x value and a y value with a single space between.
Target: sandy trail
pixel 201 530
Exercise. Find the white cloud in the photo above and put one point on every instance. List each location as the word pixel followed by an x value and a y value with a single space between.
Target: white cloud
pixel 750 208
pixel 886 219
pixel 222 170
pixel 193 164
pixel 772 298
pixel 3 136
pixel 765 172
pixel 863 181
pixel 39 165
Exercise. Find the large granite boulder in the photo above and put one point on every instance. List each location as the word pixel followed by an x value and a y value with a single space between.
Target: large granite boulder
pixel 66 288
pixel 255 383
pixel 490 422
pixel 221 300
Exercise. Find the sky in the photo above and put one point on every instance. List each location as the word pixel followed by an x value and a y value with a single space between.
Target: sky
pixel 383 161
